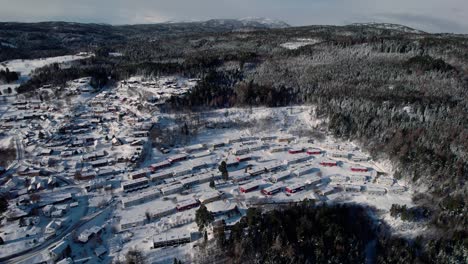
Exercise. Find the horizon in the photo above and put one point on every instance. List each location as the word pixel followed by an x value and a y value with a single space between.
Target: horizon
pixel 432 16
pixel 201 21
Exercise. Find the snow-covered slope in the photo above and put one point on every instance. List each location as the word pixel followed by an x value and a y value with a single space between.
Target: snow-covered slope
pixel 246 23
pixel 268 22
pixel 390 26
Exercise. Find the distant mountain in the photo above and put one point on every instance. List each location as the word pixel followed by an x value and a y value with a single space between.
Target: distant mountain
pixel 249 22
pixel 390 26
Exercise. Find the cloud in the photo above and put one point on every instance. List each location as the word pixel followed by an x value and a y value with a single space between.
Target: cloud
pixel 429 15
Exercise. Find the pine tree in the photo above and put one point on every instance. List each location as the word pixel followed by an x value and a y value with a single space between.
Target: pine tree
pixel 212 184
pixel 203 217
pixel 223 169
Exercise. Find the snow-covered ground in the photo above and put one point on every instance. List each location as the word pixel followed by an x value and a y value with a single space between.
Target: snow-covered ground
pixel 300 42
pixel 26 67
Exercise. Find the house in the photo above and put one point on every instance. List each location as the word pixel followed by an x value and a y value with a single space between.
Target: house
pixel 337 178
pixel 87 234
pixel 295 188
pixel 105 172
pixel 117 141
pixel 234 140
pixel 327 191
pixel 53 227
pixel 180 171
pixel 357 178
pixel 190 181
pixel 134 185
pixel 240 151
pixel 171 239
pixel 397 189
pixel 48 209
pixel 385 180
pixel 295 150
pixel 352 188
pixel 240 176
pixel 172 189
pixel 139 134
pixel 85 176
pixel 143 173
pixel 128 221
pixel 158 177
pixel 275 166
pixel 46 152
pixel 375 190
pixel 257 170
pixel 98 163
pixel 243 158
pixel 60 250
pixel 359 169
pixel 195 148
pixel 278 149
pixel 299 158
pixel 359 158
pixel 231 163
pixel 286 139
pixel 140 198
pixel 209 197
pixel 312 180
pixel 201 163
pixel 314 151
pixel 329 163
pixel 305 170
pixel 274 189
pixel 218 208
pixel 257 147
pixel 57 213
pixel 160 165
pixel 162 212
pixel 268 138
pixel 100 251
pixel 249 187
pixel 280 176
pixel 177 158
pixel 187 204
pixel 218 145
pixel 344 155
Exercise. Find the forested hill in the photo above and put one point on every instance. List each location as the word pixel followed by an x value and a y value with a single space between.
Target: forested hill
pixel 35 40
pixel 403 94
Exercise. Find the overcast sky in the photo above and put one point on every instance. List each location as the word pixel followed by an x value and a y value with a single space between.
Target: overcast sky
pixel 428 15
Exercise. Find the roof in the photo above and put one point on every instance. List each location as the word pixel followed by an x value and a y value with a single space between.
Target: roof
pixel 170 236
pixel 54 224
pixel 172 187
pixel 187 202
pixel 100 251
pixel 251 185
pixel 59 248
pixel 209 195
pixel 221 206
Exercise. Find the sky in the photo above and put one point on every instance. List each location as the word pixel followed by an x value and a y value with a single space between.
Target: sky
pixel 428 15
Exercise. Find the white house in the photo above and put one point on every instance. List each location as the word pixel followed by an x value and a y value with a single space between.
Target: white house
pixel 53 227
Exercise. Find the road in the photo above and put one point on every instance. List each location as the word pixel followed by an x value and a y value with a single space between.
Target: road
pixel 24 256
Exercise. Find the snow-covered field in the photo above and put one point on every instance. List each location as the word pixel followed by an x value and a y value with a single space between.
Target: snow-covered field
pixel 26 67
pixel 292 45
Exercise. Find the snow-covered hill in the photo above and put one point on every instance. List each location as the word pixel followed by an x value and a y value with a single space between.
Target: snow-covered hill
pixel 391 27
pixel 244 23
